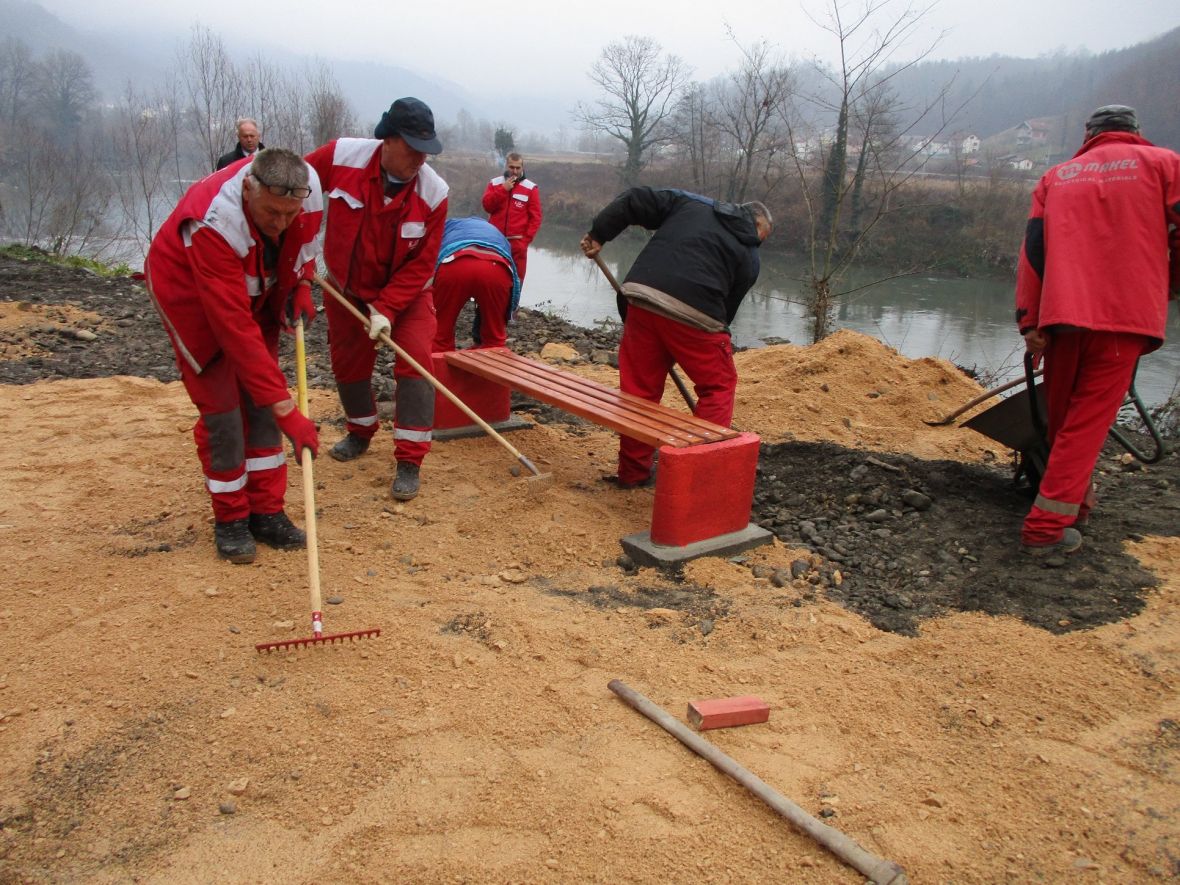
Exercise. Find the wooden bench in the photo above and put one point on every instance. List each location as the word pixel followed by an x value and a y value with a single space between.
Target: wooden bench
pixel 705 482
pixel 624 413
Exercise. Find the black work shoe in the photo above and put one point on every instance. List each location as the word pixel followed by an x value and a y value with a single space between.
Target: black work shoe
pixel 234 541
pixel 405 484
pixel 646 483
pixel 1071 542
pixel 277 530
pixel 352 446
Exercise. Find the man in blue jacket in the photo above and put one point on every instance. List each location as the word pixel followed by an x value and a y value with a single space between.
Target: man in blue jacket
pixel 681 294
pixel 474 261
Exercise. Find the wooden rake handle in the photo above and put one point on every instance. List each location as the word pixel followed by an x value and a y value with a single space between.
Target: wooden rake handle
pixel 880 870
pixel 313 547
pixel 434 382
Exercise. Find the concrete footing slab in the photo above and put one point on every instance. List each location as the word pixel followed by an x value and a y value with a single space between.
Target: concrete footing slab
pixel 472 430
pixel 645 553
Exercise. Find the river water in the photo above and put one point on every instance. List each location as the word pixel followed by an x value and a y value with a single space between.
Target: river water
pixel 969 322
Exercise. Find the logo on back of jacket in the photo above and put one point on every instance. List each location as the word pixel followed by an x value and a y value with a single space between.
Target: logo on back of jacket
pixel 1069 172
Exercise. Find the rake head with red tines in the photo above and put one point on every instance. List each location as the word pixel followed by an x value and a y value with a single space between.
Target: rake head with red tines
pixel 318 637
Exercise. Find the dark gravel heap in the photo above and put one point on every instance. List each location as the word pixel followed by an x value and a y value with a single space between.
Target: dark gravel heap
pixel 909 538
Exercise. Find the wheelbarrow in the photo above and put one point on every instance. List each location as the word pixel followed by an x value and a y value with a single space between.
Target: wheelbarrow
pixel 1018 422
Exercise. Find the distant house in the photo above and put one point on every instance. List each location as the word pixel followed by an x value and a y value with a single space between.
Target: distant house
pixel 1020 164
pixel 969 144
pixel 1033 133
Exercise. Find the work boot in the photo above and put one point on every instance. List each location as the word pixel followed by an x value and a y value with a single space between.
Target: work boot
pixel 405 484
pixel 277 530
pixel 234 541
pixel 352 446
pixel 1071 542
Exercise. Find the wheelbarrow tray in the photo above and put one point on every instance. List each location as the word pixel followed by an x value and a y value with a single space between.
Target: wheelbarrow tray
pixel 1009 422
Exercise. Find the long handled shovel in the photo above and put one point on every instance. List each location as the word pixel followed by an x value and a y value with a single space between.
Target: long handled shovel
pixel 983 397
pixel 538 478
pixel 318 637
pixel 676 379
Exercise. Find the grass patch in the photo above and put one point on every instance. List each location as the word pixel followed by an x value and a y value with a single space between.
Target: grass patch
pixel 33 253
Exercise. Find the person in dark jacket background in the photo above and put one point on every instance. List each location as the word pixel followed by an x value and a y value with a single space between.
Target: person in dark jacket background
pixel 249 143
pixel 1100 255
pixel 681 294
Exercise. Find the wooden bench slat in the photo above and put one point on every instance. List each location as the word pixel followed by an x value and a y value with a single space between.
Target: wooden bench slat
pixel 629 407
pixel 627 414
pixel 655 411
pixel 581 405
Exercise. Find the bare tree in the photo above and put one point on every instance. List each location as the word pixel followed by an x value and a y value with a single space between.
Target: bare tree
pixel 697 137
pixel 63 90
pixel 640 86
pixel 17 73
pixel 143 146
pixel 750 106
pixel 329 115
pixel 868 34
pixel 213 91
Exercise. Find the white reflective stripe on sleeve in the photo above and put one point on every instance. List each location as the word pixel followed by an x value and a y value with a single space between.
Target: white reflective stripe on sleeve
pixel 270 462
pixel 367 421
pixel 253 286
pixel 412 435
pixel 216 486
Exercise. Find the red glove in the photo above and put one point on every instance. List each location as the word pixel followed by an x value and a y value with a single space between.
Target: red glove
pixel 301 431
pixel 300 306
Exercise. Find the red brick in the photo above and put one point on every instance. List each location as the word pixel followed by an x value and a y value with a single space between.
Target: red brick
pixel 727 712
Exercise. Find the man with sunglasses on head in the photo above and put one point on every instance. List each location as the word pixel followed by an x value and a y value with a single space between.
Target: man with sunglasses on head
pixel 232 265
pixel 386 211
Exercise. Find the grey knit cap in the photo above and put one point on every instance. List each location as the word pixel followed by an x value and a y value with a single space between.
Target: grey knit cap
pixel 1112 117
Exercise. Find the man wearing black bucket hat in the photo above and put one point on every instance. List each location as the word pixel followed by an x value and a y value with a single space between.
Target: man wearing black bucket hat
pixel 1100 259
pixel 386 211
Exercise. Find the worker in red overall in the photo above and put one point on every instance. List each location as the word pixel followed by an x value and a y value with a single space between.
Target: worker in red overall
pixel 386 211
pixel 1099 259
pixel 513 204
pixel 230 266
pixel 474 263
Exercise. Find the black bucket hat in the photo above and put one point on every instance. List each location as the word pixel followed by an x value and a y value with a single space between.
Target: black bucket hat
pixel 414 122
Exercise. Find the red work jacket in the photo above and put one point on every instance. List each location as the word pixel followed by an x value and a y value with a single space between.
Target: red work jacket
pixel 517 215
pixel 205 274
pixel 1096 249
pixel 382 253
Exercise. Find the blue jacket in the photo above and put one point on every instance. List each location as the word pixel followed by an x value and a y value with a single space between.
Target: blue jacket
pixel 462 233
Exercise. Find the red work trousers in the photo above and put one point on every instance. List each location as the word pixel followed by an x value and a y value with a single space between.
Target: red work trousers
pixel 486 279
pixel 354 355
pixel 238 442
pixel 1087 374
pixel 650 346
pixel 520 257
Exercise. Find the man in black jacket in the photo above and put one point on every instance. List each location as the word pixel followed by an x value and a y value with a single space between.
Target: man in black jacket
pixel 681 295
pixel 249 143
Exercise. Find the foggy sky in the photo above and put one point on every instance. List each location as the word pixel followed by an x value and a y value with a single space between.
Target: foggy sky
pixel 542 46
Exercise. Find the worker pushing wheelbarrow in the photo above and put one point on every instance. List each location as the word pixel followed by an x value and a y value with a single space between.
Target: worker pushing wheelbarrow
pixel 1099 262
